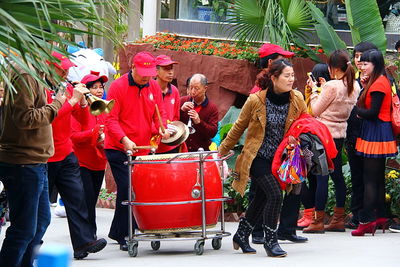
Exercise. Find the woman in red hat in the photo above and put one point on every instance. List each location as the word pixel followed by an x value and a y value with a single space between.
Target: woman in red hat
pixel 88 144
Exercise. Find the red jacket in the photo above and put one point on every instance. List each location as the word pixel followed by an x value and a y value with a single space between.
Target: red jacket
pixel 84 139
pixel 306 124
pixel 172 107
pixel 62 126
pixel 133 113
pixel 206 129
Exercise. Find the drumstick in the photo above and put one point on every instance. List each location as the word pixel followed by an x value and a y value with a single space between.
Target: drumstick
pixel 160 120
pixel 143 147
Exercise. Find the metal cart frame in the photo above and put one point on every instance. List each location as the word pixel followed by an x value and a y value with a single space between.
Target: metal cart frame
pixel 201 235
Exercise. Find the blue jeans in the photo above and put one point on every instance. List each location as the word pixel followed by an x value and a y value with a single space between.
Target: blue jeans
pixel 27 193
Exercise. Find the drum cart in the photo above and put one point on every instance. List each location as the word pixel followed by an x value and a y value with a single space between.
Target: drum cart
pixel 201 157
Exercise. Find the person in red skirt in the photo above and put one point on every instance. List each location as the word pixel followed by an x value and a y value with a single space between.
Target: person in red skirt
pixel 88 144
pixel 376 140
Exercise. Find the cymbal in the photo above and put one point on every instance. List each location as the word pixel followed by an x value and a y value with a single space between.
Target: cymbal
pixel 179 137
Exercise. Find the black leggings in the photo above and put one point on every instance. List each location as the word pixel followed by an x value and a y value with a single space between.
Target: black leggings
pixel 268 195
pixel 374 189
pixel 337 176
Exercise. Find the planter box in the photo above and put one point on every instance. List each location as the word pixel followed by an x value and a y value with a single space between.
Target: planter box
pixel 226 77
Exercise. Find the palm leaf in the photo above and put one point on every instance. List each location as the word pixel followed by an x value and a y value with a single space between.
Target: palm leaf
pixel 28 30
pixel 247 21
pixel 365 23
pixel 297 14
pixel 329 39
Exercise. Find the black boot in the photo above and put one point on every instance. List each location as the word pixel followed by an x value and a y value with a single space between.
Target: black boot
pixel 241 238
pixel 271 243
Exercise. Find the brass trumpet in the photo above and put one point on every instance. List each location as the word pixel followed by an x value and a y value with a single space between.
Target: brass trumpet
pixel 98 105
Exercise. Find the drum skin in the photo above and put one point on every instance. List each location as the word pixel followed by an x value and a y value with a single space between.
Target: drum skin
pixel 163 182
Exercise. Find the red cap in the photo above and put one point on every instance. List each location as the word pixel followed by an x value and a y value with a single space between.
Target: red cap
pixel 269 49
pixel 94 76
pixel 145 64
pixel 164 60
pixel 65 63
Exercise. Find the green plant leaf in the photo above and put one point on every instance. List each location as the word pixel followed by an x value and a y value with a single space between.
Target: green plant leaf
pixel 365 23
pixel 329 39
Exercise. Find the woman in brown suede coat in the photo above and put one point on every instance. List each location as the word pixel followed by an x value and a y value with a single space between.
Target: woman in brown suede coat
pixel 267 115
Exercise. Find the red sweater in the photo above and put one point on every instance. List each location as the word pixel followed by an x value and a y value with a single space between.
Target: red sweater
pixel 306 124
pixel 84 139
pixel 382 85
pixel 133 114
pixel 61 126
pixel 172 108
pixel 206 129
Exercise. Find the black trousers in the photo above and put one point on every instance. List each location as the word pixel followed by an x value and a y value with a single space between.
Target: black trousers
pixel 119 225
pixel 268 196
pixel 357 184
pixel 308 191
pixel 288 215
pixel 92 181
pixel 65 175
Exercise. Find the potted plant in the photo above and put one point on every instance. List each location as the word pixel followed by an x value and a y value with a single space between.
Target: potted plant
pixel 212 10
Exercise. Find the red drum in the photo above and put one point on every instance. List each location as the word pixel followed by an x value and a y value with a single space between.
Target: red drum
pixel 174 182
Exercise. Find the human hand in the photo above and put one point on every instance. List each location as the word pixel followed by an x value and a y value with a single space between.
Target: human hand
pixel 129 145
pixel 172 129
pixel 187 106
pixel 364 80
pixel 311 83
pixel 78 94
pixel 165 134
pixel 101 135
pixel 194 116
pixel 60 97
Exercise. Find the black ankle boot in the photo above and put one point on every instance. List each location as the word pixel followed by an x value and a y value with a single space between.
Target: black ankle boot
pixel 241 238
pixel 271 244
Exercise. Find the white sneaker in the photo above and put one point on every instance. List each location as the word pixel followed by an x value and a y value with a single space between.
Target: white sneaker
pixel 60 209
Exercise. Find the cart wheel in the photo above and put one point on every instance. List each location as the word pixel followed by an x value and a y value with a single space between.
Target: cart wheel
pixel 155 245
pixel 216 243
pixel 133 250
pixel 199 247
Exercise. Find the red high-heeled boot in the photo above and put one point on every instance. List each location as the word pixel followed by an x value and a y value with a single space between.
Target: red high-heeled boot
pixel 382 222
pixel 364 228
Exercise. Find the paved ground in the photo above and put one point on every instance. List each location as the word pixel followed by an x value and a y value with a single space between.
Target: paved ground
pixel 330 249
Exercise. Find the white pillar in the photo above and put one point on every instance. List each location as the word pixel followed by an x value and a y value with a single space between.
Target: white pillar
pixel 150 11
pixel 133 20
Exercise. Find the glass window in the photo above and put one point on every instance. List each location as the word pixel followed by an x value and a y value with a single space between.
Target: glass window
pixel 204 10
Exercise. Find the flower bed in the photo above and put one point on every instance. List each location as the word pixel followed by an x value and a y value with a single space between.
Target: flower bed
pixel 233 50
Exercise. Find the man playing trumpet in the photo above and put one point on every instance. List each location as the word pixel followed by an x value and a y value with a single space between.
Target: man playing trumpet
pixel 131 124
pixel 201 111
pixel 63 167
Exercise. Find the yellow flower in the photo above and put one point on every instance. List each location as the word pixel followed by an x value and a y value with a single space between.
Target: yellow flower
pixel 387 197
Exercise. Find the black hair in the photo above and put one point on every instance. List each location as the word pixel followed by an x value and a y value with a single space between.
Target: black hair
pixel 263 63
pixel 397 45
pixel 376 58
pixel 321 70
pixel 363 46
